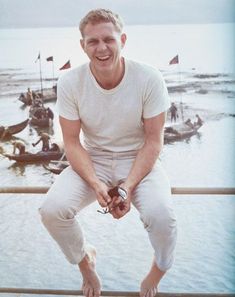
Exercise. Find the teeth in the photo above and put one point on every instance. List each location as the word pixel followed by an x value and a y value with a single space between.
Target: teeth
pixel 103 58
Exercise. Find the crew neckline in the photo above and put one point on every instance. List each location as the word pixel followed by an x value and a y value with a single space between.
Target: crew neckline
pixel 113 90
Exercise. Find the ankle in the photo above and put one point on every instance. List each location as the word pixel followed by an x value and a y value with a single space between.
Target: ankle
pixel 85 264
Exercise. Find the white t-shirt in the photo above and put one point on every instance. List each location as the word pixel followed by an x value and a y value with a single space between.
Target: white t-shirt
pixel 112 120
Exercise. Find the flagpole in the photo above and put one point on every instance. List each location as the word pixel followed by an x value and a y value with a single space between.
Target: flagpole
pixel 181 102
pixel 53 73
pixel 40 67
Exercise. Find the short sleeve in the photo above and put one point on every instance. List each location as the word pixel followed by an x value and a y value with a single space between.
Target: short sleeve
pixel 66 104
pixel 156 99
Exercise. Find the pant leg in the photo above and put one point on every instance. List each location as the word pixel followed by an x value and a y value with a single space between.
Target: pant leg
pixel 152 198
pixel 66 197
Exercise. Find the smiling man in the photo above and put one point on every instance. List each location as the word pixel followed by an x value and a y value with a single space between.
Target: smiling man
pixel 120 106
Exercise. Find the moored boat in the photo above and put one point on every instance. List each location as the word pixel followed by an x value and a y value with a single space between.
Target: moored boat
pixel 44 122
pixel 179 132
pixel 35 157
pixel 13 129
pixel 47 96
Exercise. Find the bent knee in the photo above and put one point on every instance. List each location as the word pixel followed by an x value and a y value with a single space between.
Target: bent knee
pixel 53 212
pixel 161 221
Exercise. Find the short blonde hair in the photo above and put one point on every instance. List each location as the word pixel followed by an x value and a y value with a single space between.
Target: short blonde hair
pixel 101 16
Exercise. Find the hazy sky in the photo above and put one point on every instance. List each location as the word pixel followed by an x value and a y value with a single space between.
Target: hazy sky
pixel 43 13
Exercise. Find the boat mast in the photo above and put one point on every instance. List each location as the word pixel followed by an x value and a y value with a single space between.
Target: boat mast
pixel 180 84
pixel 40 67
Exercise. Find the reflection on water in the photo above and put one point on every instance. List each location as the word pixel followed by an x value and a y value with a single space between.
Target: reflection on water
pixel 17 169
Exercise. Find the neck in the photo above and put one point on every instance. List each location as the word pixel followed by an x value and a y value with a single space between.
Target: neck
pixel 111 78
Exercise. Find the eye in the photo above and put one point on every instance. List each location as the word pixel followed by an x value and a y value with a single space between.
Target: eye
pixel 92 42
pixel 109 39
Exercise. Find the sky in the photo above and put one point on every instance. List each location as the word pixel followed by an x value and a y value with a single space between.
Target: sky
pixel 60 13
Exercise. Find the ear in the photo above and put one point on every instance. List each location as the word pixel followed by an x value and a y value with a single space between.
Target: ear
pixel 82 43
pixel 123 39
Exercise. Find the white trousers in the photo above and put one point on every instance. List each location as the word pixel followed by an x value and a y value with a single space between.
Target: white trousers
pixel 152 198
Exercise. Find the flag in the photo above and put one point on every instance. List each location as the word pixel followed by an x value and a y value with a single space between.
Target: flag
pixel 175 60
pixel 38 58
pixel 66 66
pixel 50 59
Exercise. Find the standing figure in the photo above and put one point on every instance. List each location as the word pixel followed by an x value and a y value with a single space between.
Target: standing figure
pixel 173 111
pixel 120 105
pixel 18 145
pixel 44 138
pixel 29 97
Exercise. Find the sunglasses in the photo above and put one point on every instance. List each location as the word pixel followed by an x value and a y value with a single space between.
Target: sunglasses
pixel 115 192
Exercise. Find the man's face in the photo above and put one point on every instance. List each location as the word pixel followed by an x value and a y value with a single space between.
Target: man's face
pixel 103 44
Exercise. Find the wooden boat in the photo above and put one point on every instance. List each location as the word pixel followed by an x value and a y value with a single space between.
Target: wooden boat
pixel 48 96
pixel 179 132
pixel 56 166
pixel 44 122
pixel 35 157
pixel 40 116
pixel 14 129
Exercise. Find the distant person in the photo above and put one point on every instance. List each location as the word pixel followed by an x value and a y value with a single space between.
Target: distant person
pixel 120 106
pixel 45 139
pixel 189 123
pixel 20 146
pixel 29 97
pixel 199 121
pixel 49 113
pixel 54 147
pixel 173 111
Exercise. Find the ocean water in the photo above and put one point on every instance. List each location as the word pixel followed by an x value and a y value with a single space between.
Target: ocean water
pixel 205 259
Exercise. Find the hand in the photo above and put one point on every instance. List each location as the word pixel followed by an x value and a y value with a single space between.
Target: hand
pixel 119 207
pixel 101 191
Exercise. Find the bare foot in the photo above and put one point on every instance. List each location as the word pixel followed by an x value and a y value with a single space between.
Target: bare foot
pixel 150 283
pixel 91 283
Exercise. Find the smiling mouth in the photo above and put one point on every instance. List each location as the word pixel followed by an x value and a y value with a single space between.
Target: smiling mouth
pixel 104 58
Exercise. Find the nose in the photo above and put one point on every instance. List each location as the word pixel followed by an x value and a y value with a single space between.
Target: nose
pixel 102 46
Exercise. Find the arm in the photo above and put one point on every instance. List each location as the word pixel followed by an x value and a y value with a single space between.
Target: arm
pixel 36 143
pixel 80 160
pixel 145 159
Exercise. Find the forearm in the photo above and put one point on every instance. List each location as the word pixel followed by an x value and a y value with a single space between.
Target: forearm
pixel 143 164
pixel 81 163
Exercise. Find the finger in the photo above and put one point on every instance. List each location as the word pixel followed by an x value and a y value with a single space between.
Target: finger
pixel 107 198
pixel 102 202
pixel 115 202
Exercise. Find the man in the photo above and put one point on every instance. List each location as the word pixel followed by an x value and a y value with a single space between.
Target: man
pixel 44 138
pixel 18 145
pixel 29 97
pixel 199 122
pixel 173 111
pixel 120 106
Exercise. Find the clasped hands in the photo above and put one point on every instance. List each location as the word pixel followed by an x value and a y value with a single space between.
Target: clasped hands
pixel 114 203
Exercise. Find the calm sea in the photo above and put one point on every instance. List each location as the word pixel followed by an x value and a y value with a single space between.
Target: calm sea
pixel 205 259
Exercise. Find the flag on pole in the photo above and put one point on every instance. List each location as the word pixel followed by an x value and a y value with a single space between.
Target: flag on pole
pixel 66 66
pixel 50 59
pixel 175 60
pixel 38 58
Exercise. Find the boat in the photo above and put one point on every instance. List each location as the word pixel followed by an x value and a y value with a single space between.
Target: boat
pixel 6 132
pixel 47 96
pixel 41 116
pixel 35 157
pixel 179 132
pixel 56 167
pixel 44 122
